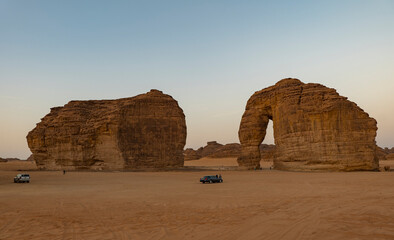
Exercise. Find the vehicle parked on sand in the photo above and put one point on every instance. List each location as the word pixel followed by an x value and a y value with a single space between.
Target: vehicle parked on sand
pixel 22 178
pixel 212 179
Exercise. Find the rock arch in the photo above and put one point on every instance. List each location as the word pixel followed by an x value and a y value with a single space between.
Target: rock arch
pixel 314 129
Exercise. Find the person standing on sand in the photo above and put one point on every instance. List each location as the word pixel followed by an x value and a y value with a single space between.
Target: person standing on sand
pixel 64 172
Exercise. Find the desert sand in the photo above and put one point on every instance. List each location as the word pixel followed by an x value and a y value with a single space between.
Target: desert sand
pixel 265 204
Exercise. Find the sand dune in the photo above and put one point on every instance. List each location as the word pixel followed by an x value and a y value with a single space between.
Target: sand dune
pixel 174 205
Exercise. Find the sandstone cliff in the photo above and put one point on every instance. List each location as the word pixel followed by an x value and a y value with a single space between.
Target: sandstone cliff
pixel 314 129
pixel 146 131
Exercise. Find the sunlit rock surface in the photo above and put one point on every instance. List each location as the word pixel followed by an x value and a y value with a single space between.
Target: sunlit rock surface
pixel 145 131
pixel 314 129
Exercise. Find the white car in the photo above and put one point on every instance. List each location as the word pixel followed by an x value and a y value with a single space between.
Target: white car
pixel 21 178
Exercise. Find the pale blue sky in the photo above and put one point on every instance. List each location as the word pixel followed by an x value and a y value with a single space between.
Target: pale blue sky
pixel 209 55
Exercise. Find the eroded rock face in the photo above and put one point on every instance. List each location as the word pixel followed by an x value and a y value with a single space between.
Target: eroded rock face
pixel 146 131
pixel 314 129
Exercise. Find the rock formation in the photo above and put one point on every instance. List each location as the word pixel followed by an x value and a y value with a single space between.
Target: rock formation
pixel 145 131
pixel 9 159
pixel 211 147
pixel 314 129
pixel 217 150
pixel 267 152
pixel 390 156
pixel 381 153
pixel 190 154
pixel 385 153
pixel 227 151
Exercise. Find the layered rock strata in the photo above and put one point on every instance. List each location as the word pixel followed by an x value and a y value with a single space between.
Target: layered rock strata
pixel 314 129
pixel 146 131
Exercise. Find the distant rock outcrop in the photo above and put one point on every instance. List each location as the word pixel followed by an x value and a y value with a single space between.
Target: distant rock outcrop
pixel 385 153
pixel 146 131
pixel 314 129
pixel 381 153
pixel 190 154
pixel 267 152
pixel 9 159
pixel 211 147
pixel 389 150
pixel 228 150
pixel 217 150
pixel 390 156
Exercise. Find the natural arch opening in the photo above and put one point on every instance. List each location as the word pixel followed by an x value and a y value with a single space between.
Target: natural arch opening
pixel 267 147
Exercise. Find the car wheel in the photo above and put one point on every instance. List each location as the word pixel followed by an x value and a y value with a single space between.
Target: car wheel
pixel 203 182
pixel 28 181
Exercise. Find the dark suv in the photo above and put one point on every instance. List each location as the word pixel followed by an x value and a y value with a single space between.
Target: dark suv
pixel 212 179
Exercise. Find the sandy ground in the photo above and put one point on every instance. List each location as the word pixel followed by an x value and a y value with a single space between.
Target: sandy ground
pixel 263 204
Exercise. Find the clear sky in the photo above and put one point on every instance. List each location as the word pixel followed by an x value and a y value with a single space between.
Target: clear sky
pixel 211 56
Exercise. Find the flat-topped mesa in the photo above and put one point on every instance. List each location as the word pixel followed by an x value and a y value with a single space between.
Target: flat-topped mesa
pixel 314 129
pixel 145 131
